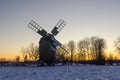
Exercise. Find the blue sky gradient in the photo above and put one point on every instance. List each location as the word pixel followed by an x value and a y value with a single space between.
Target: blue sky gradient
pixel 85 18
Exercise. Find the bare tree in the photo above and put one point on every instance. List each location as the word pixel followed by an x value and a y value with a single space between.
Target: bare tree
pixel 93 47
pixel 87 47
pixel 98 46
pixel 17 59
pixel 84 49
pixel 117 45
pixel 71 47
pixel 60 54
pixel 24 54
pixel 33 52
pixel 111 58
pixel 81 50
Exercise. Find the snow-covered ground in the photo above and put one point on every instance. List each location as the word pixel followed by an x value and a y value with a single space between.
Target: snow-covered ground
pixel 61 73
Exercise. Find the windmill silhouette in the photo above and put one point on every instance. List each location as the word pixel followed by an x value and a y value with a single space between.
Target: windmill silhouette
pixel 48 43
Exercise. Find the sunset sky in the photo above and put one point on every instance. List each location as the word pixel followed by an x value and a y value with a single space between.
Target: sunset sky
pixel 85 18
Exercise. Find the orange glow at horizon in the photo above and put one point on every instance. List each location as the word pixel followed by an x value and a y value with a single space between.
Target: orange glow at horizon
pixel 12 55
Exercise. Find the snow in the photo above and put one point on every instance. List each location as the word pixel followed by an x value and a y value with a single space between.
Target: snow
pixel 88 72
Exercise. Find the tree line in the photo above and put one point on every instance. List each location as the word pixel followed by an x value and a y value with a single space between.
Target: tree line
pixel 88 49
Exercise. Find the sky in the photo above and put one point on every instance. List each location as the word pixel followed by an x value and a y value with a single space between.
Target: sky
pixel 85 18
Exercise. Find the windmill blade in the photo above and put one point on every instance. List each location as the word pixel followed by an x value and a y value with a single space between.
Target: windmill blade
pixel 56 43
pixel 35 27
pixel 64 48
pixel 58 27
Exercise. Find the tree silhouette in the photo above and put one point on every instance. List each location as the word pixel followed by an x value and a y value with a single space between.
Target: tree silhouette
pixel 71 47
pixel 117 45
pixel 24 54
pixel 91 48
pixel 99 46
pixel 33 52
pixel 17 58
pixel 60 54
pixel 81 50
pixel 84 49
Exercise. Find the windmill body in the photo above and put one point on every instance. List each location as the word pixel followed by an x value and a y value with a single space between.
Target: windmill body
pixel 48 43
pixel 47 50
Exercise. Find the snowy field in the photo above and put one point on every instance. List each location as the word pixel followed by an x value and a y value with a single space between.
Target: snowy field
pixel 61 73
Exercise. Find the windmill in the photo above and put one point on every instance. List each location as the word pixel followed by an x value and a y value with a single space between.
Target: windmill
pixel 48 43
